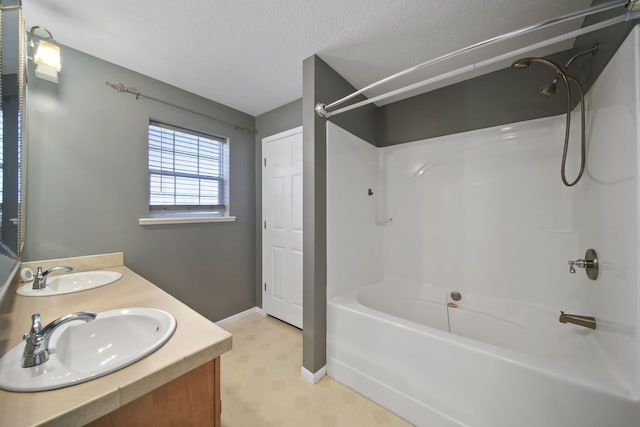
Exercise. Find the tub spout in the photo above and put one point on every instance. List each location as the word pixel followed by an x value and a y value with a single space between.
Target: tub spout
pixel 586 321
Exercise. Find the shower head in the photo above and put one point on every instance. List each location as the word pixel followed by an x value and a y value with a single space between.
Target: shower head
pixel 549 89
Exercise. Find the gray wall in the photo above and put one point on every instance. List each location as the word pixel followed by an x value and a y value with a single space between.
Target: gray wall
pixel 283 118
pixel 87 183
pixel 320 84
pixel 278 120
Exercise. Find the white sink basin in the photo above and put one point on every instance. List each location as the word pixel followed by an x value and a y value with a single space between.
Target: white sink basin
pixel 68 283
pixel 82 351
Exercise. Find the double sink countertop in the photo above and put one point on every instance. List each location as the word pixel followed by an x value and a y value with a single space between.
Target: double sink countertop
pixel 195 342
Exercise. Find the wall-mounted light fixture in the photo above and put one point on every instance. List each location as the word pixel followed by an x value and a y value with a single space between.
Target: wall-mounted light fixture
pixel 46 55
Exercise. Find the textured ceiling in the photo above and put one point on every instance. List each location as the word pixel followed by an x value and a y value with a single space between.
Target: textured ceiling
pixel 248 54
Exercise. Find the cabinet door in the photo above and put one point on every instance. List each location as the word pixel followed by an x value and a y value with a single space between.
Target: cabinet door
pixel 192 399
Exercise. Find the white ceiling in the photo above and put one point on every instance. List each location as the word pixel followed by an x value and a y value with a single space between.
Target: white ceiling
pixel 248 54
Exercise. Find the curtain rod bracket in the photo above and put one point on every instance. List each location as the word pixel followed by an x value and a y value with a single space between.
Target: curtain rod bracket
pixel 321 109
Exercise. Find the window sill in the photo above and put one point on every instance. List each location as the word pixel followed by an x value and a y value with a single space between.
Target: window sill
pixel 186 219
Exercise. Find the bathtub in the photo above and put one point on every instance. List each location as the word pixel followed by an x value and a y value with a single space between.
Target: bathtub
pixel 486 362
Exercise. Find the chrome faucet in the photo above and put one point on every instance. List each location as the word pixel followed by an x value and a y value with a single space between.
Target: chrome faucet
pixel 40 281
pixel 36 350
pixel 586 321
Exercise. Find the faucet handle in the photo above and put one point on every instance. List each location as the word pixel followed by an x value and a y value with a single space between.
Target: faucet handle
pixel 40 279
pixel 36 326
pixel 580 263
pixel 36 323
pixel 589 263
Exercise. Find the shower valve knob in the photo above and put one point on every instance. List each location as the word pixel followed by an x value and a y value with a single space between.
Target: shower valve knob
pixel 580 263
pixel 589 263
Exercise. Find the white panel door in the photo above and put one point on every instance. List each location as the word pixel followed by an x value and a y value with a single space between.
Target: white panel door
pixel 282 226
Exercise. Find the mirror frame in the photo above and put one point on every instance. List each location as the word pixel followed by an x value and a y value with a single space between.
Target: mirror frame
pixel 13 163
pixel 13 159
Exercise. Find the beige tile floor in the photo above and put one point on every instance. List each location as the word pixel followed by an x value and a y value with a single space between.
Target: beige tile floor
pixel 261 383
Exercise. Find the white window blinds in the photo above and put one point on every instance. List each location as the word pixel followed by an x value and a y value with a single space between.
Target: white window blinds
pixel 186 169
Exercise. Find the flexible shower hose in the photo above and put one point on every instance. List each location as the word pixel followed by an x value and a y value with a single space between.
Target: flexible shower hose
pixel 566 133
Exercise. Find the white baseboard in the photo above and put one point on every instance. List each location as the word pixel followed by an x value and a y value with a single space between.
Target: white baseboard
pixel 311 377
pixel 238 316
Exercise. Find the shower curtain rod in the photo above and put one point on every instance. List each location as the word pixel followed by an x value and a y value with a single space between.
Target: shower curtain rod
pixel 323 109
pixel 119 87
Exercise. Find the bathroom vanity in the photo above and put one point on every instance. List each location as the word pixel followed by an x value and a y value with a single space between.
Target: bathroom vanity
pixel 178 384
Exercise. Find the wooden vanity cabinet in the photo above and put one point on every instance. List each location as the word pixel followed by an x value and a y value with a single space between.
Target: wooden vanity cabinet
pixel 192 399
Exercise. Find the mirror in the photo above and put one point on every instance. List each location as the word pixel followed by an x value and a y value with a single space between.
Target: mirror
pixel 12 116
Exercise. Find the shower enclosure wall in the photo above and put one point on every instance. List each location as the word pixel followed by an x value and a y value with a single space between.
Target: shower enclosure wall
pixel 484 213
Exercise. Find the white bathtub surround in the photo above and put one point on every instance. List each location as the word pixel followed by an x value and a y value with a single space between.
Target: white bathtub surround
pixel 485 213
pixel 354 239
pixel 469 211
pixel 608 207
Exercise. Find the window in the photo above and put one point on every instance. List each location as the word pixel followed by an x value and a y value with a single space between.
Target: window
pixel 187 171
